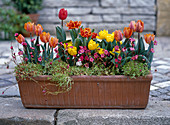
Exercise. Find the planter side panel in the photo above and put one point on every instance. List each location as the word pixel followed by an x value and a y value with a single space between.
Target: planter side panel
pixel 88 94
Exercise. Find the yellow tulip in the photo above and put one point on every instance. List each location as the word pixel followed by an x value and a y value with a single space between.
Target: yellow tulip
pixel 110 37
pixel 102 34
pixel 72 50
pixel 92 45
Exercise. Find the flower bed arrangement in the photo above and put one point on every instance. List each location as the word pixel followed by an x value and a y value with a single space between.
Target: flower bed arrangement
pixel 74 69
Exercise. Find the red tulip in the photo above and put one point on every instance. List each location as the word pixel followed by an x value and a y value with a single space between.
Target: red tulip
pixel 62 14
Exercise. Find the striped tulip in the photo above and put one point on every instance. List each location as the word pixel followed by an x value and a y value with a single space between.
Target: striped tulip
pixel 149 37
pixel 53 42
pixel 29 26
pixel 20 38
pixel 132 25
pixel 118 35
pixel 139 26
pixel 38 29
pixel 127 32
pixel 45 37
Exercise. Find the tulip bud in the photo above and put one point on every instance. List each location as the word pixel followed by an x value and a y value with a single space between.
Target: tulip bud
pixel 53 42
pixel 149 37
pixel 62 14
pixel 139 26
pixel 20 38
pixel 45 37
pixel 118 35
pixel 38 29
pixel 127 32
pixel 132 25
pixel 29 26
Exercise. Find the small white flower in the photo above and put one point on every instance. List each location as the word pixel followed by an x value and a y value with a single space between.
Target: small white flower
pixel 78 63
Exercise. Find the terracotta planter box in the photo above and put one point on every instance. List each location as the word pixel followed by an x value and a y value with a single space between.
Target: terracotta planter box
pixel 89 92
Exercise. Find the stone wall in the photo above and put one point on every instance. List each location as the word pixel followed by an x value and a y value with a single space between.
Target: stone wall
pixel 100 14
pixel 163 15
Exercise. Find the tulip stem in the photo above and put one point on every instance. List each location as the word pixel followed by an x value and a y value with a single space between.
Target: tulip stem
pixel 62 23
pixel 138 36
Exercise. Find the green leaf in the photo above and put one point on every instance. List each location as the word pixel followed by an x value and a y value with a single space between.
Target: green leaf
pixel 51 55
pixel 77 43
pixel 44 53
pixel 60 34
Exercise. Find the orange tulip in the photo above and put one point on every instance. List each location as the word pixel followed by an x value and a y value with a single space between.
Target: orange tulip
pixel 139 26
pixel 29 26
pixel 118 35
pixel 38 29
pixel 45 37
pixel 127 32
pixel 20 38
pixel 149 37
pixel 73 24
pixel 86 32
pixel 132 25
pixel 53 42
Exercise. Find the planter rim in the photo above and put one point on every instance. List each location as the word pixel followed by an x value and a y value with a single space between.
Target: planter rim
pixel 99 78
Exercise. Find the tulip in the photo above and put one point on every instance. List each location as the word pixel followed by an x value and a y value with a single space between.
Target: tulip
pixel 102 34
pixel 53 42
pixel 139 26
pixel 127 32
pixel 20 38
pixel 110 37
pixel 38 29
pixel 62 14
pixel 72 50
pixel 92 45
pixel 132 25
pixel 45 37
pixel 29 26
pixel 149 37
pixel 73 24
pixel 118 35
pixel 86 32
pixel 94 35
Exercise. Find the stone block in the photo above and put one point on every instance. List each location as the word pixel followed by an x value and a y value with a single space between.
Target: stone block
pixel 111 18
pixel 114 3
pixel 163 15
pixel 13 113
pixel 163 5
pixel 139 17
pixel 156 113
pixel 78 10
pixel 163 27
pixel 70 3
pixel 124 10
pixel 47 11
pixel 108 26
pixel 49 19
pixel 86 18
pixel 142 3
pixel 101 10
pixel 143 11
pixel 50 28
